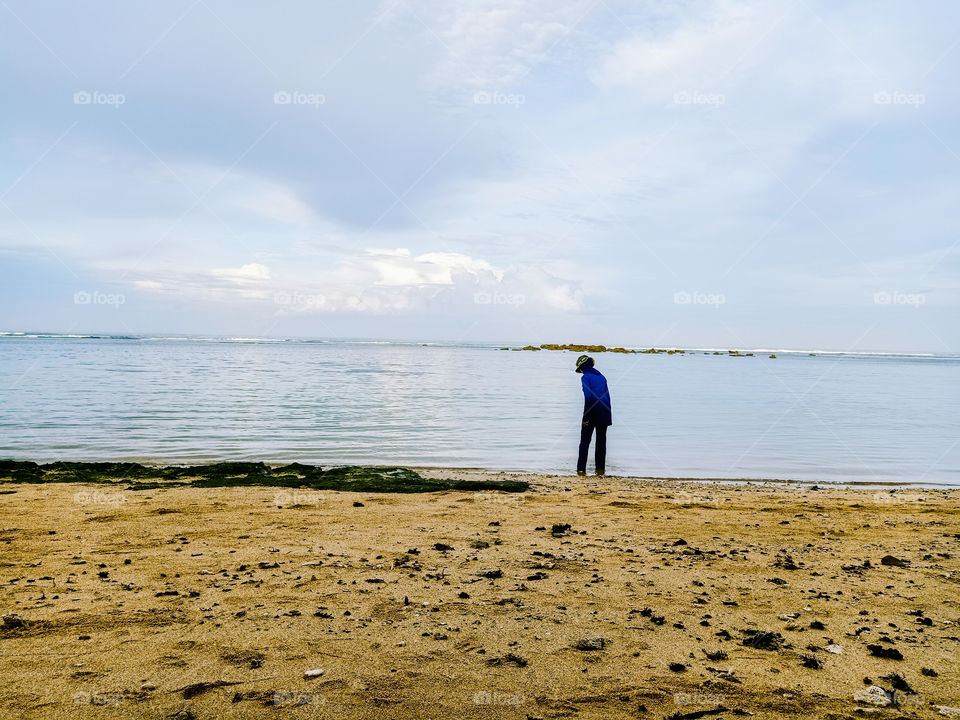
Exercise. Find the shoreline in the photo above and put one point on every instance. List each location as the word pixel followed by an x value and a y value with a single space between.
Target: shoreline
pixel 468 474
pixel 852 484
pixel 582 597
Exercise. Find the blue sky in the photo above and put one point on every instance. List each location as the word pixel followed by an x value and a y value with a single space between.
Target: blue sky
pixel 716 173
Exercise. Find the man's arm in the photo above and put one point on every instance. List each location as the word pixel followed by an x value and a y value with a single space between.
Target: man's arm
pixel 586 399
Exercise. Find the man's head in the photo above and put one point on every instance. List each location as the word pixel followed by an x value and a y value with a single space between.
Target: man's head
pixel 584 362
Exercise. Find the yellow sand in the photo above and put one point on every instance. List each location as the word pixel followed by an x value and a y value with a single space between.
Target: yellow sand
pixel 252 567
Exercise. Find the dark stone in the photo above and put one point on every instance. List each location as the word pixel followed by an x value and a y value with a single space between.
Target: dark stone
pixel 893 561
pixel 886 653
pixel 763 640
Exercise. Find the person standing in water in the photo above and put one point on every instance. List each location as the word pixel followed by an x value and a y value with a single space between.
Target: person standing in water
pixel 597 415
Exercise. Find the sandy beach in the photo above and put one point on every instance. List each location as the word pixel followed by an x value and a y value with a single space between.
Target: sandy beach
pixel 581 598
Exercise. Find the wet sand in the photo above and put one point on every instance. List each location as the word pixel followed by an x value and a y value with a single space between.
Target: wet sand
pixel 660 599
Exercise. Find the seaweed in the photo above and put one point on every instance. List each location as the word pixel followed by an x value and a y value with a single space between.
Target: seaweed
pixel 244 474
pixel 21 471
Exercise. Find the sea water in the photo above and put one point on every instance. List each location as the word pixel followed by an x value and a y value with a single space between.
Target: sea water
pixel 805 415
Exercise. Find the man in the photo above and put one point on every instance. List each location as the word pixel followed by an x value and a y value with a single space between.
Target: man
pixel 597 415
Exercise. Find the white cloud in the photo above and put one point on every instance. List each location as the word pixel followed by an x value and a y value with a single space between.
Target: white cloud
pixel 488 44
pixel 245 274
pixel 277 203
pixel 375 281
pixel 400 267
pixel 564 297
pixel 704 45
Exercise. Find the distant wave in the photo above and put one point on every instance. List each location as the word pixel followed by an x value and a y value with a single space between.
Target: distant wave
pixel 11 334
pixel 788 351
pixel 64 336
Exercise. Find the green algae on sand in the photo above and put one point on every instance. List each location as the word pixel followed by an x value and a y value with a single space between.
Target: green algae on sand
pixel 243 474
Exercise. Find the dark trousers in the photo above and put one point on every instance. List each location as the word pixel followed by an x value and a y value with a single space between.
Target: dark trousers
pixel 586 431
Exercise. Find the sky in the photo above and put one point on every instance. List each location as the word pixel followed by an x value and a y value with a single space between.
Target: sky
pixel 693 173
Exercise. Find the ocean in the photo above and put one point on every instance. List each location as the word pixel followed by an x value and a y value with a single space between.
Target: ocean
pixel 808 415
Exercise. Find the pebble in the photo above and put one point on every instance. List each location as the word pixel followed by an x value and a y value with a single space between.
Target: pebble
pixel 885 653
pixel 589 644
pixel 893 561
pixel 873 695
pixel 13 622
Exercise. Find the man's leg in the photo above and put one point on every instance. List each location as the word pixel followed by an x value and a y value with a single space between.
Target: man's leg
pixel 601 459
pixel 586 430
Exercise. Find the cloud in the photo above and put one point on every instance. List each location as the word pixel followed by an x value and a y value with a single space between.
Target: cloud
pixel 377 281
pixel 400 268
pixel 600 193
pixel 247 282
pixel 248 274
pixel 564 297
pixel 702 43
pixel 279 204
pixel 487 44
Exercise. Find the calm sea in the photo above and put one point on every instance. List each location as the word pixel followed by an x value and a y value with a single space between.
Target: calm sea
pixel 872 418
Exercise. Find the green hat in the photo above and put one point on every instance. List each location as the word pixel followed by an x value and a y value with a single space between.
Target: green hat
pixel 583 360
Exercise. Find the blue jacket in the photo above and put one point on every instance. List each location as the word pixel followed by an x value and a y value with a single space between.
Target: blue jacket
pixel 596 398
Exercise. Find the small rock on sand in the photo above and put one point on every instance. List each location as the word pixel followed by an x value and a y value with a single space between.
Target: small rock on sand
pixel 763 640
pixel 873 695
pixel 313 673
pixel 589 644
pixel 13 622
pixel 884 652
pixel 893 561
